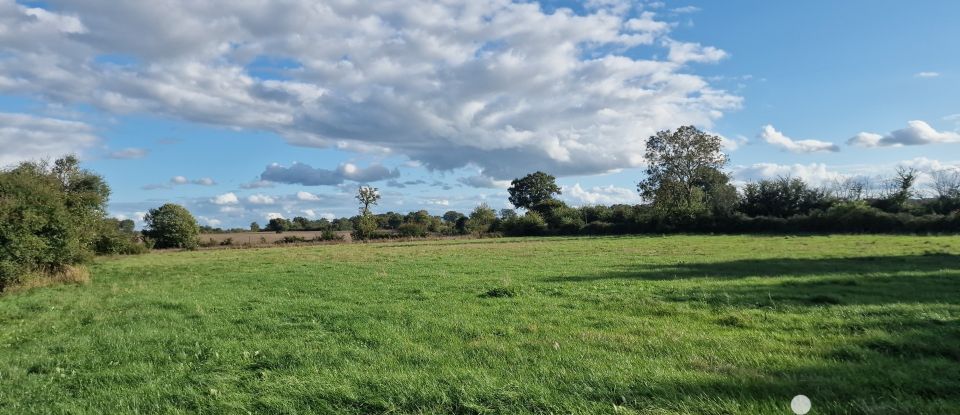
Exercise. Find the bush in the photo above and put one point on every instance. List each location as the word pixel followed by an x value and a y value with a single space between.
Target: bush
pixel 49 218
pixel 172 226
pixel 412 230
pixel 115 238
pixel 291 240
pixel 529 224
pixel 365 226
pixel 328 235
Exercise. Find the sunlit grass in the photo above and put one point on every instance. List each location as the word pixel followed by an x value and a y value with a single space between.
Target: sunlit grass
pixel 681 324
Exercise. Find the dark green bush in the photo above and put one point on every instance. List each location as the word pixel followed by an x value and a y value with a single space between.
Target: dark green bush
pixel 49 217
pixel 530 224
pixel 118 238
pixel 412 230
pixel 172 226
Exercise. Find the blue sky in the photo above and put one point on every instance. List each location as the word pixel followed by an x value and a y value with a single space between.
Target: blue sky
pixel 243 112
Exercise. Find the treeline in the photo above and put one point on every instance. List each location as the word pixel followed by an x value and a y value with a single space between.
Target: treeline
pixel 52 215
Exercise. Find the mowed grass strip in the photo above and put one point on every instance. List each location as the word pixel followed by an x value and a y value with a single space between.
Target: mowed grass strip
pixel 679 324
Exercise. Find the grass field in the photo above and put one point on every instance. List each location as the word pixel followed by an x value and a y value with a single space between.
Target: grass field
pixel 659 325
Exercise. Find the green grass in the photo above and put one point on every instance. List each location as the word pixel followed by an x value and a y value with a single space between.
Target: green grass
pixel 660 325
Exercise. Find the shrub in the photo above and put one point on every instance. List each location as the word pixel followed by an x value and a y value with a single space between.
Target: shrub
pixel 413 230
pixel 527 225
pixel 49 218
pixel 290 240
pixel 328 235
pixel 365 226
pixel 117 238
pixel 172 226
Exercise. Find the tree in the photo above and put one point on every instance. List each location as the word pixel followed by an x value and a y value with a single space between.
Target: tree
pixel 366 224
pixel 171 226
pixel 368 196
pixel 507 214
pixel 300 223
pixel 481 219
pixel 452 216
pixel 278 225
pixel 533 189
pixel 946 186
pixel 898 191
pixel 684 177
pixel 254 227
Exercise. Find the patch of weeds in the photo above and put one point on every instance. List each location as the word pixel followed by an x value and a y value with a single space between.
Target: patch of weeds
pixel 502 292
pixel 824 299
pixel 733 321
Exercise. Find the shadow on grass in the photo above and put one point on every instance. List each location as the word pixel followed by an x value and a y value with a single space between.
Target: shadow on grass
pixel 778 267
pixel 794 281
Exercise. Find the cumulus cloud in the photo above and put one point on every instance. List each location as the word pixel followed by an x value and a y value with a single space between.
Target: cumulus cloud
pixel 505 86
pixel 485 182
pixel 128 153
pixel 815 173
pixel 26 137
pixel 260 199
pixel 683 52
pixel 257 184
pixel 307 196
pixel 600 195
pixel 778 139
pixel 178 181
pixel 916 133
pixel 225 199
pixel 305 175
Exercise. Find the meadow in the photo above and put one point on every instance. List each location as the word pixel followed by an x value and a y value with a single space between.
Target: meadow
pixel 646 325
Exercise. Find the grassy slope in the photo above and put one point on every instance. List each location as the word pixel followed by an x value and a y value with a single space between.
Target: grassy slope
pixel 685 324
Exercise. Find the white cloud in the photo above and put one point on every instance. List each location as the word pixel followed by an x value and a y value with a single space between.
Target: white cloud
pixel 685 9
pixel 26 137
pixel 210 221
pixel 260 199
pixel 225 199
pixel 178 181
pixel 815 173
pixel 505 86
pixel 307 196
pixel 274 215
pixel 600 195
pixel 128 153
pixel 303 174
pixel 916 133
pixel 926 74
pixel 683 52
pixel 778 139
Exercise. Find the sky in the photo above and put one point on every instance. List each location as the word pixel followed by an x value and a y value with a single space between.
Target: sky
pixel 247 110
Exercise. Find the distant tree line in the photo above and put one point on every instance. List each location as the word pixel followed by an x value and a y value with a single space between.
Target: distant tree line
pixel 52 215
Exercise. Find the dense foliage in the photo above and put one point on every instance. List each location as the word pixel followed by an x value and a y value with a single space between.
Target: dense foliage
pixel 171 226
pixel 49 217
pixel 533 189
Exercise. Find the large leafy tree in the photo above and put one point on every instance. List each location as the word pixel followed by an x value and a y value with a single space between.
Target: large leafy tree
pixel 171 226
pixel 684 173
pixel 533 189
